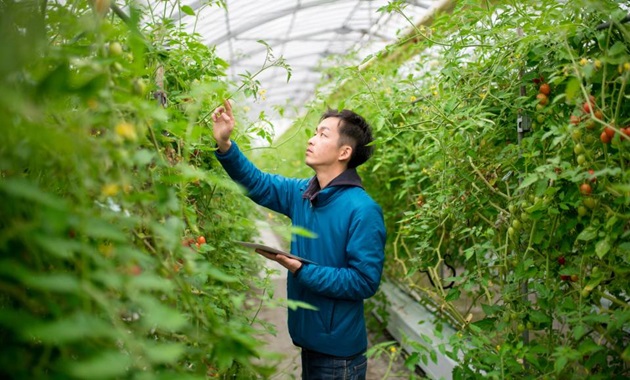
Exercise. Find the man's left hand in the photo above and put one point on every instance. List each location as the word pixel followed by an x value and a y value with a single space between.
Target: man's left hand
pixel 291 264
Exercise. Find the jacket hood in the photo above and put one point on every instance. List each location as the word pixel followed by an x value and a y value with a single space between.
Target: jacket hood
pixel 349 177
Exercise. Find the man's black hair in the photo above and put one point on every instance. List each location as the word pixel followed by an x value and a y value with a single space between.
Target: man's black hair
pixel 353 131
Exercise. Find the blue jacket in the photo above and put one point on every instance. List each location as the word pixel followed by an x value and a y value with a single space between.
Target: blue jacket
pixel 348 251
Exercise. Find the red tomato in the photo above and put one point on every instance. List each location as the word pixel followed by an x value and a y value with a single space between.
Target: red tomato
pixel 586 107
pixel 586 189
pixel 610 132
pixel 545 89
pixel 561 260
pixel 575 119
pixel 605 138
pixel 201 240
pixel 542 98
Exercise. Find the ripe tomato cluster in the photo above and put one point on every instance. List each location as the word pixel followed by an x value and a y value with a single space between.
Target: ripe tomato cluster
pixel 189 242
pixel 543 95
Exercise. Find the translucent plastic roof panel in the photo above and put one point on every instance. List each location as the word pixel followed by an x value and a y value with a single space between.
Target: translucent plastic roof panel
pixel 302 31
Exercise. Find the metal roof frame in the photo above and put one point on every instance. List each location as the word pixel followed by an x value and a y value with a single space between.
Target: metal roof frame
pixel 304 32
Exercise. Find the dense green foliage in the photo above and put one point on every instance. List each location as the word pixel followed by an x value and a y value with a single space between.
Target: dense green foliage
pixel 105 194
pixel 536 223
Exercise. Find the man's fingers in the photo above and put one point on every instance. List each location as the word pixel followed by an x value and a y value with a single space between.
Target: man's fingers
pixel 228 106
pixel 269 255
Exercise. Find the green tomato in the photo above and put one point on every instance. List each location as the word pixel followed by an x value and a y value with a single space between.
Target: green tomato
pixel 115 49
pixel 581 159
pixel 590 202
pixel 516 224
pixel 511 231
pixel 582 211
pixel 139 88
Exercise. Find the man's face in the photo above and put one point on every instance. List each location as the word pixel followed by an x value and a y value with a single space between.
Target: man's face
pixel 323 148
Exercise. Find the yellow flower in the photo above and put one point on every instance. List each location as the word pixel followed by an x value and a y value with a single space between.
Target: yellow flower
pixel 106 249
pixel 110 189
pixel 393 349
pixel 598 64
pixel 92 104
pixel 127 131
pixel 626 66
pixel 583 61
pixel 412 98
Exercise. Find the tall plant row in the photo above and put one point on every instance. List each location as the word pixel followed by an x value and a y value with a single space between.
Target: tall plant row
pixel 116 227
pixel 501 163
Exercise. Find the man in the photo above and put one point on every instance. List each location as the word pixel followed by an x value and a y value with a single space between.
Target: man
pixel 348 248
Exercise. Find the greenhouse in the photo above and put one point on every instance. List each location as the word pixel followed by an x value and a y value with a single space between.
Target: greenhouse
pixel 315 189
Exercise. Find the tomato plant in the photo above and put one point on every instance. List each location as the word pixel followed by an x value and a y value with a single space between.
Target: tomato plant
pixel 101 195
pixel 503 170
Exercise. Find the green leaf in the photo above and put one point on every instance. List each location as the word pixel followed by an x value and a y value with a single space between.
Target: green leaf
pixel 453 294
pixel 70 328
pixel 294 305
pixel 22 189
pixel 486 324
pixel 618 48
pixel 108 364
pixel 188 10
pixel 143 157
pixel 602 247
pixel 433 355
pixel 573 89
pixel 579 331
pixel 412 360
pixel 164 352
pixel 55 282
pixel 560 363
pixel 59 247
pixel 148 281
pixel 530 179
pixel 219 275
pixel 101 229
pixel 589 233
pixel 156 314
pixel 300 231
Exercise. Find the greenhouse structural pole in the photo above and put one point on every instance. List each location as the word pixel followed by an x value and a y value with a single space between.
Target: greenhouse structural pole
pixel 523 126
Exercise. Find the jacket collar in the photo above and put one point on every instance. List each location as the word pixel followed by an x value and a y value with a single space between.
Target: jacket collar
pixel 349 177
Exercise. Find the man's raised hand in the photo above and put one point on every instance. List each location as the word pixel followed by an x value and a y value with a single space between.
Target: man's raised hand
pixel 223 125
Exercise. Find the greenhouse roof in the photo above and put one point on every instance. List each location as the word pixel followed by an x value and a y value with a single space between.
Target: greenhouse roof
pixel 304 32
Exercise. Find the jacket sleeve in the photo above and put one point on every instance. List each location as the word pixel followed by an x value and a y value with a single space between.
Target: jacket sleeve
pixel 268 190
pixel 365 251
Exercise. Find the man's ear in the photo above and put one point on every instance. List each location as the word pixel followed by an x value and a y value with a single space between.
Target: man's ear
pixel 345 152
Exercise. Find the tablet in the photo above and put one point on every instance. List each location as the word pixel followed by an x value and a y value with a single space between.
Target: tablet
pixel 273 250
